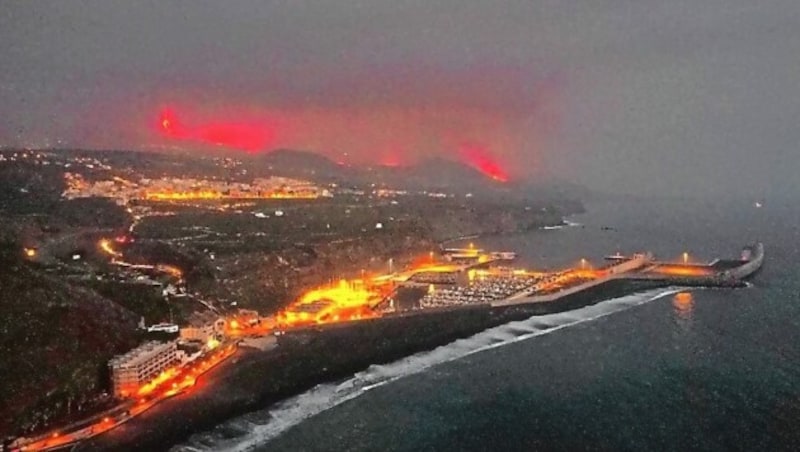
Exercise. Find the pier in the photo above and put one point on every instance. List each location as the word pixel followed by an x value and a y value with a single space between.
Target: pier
pixel 641 267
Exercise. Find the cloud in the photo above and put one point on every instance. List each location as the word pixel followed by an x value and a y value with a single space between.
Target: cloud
pixel 659 97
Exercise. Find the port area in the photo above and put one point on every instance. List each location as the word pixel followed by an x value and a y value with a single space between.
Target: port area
pixel 519 287
pixel 457 294
pixel 487 283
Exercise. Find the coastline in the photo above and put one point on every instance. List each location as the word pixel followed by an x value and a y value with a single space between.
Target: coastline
pixel 307 358
pixel 531 227
pixel 496 230
pixel 316 355
pixel 313 356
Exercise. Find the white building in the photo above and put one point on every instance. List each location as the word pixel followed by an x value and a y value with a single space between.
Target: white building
pixel 202 327
pixel 140 365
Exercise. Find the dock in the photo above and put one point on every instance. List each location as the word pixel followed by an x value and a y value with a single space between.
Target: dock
pixel 718 273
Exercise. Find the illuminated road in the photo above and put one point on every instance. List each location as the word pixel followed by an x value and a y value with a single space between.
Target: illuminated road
pixel 178 381
pixel 208 195
pixel 106 246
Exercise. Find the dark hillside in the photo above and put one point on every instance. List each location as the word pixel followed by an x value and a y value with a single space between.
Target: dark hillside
pixel 55 340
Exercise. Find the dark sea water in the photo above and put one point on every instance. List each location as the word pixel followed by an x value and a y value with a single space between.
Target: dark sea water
pixel 714 369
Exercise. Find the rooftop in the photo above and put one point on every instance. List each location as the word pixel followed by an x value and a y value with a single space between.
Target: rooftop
pixel 139 353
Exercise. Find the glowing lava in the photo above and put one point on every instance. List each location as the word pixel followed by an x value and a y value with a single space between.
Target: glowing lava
pixel 347 300
pixel 391 159
pixel 250 137
pixel 105 245
pixel 480 159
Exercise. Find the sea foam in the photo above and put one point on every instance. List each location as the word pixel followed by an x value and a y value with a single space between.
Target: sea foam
pixel 255 429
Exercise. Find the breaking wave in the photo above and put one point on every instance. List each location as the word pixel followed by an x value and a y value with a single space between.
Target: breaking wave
pixel 255 429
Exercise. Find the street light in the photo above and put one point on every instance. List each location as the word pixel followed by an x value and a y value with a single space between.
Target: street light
pixel 685 258
pixel 583 264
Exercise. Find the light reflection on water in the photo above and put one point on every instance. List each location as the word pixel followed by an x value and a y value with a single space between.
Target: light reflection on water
pixel 683 306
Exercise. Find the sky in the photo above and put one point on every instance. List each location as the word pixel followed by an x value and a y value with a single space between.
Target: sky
pixel 678 98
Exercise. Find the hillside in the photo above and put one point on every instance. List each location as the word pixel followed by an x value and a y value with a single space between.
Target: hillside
pixel 433 174
pixel 55 340
pixel 305 165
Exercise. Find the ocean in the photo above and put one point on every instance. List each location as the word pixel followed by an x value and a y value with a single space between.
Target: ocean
pixel 666 369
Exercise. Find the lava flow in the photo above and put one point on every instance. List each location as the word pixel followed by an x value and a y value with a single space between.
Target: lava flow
pixel 480 159
pixel 249 137
pixel 350 300
pixel 105 246
pixel 347 300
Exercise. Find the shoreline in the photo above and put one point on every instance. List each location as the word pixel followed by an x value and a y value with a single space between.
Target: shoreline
pixel 540 227
pixel 436 243
pixel 317 355
pixel 305 359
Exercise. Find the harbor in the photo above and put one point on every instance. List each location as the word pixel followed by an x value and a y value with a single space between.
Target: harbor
pixel 459 293
pixel 502 286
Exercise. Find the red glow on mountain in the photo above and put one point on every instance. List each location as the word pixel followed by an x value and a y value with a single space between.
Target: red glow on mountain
pixel 391 159
pixel 481 160
pixel 249 137
pixel 169 124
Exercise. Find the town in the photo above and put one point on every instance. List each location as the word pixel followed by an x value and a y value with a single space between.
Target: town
pixel 196 260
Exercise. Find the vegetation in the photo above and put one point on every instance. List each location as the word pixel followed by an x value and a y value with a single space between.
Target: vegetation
pixel 55 339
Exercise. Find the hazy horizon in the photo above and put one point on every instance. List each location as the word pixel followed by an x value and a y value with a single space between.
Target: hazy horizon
pixel 656 98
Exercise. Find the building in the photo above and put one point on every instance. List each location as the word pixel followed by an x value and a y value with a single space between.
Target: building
pixel 203 326
pixel 140 365
pixel 163 328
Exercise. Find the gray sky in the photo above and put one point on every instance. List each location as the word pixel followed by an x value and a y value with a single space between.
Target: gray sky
pixel 671 97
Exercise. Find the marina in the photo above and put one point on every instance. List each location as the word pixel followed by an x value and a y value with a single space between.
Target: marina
pixel 465 295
